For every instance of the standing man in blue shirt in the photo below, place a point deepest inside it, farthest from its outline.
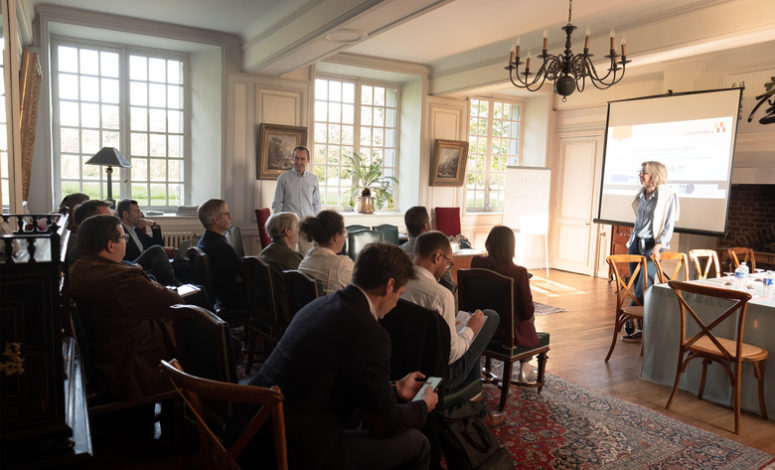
(297, 189)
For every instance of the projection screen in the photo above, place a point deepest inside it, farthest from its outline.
(693, 135)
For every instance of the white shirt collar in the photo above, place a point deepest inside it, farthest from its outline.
(371, 305)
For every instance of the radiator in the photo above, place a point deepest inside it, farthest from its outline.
(174, 239)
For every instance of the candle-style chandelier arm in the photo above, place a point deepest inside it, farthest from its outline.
(613, 76)
(549, 70)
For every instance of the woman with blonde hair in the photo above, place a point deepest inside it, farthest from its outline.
(656, 211)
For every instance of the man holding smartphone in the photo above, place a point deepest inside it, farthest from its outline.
(333, 367)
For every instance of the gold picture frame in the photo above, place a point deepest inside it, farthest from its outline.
(448, 162)
(274, 149)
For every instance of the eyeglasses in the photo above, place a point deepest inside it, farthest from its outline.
(449, 261)
(225, 213)
(125, 237)
(642, 173)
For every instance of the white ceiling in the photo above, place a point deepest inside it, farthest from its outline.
(446, 35)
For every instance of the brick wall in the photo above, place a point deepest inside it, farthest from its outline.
(750, 219)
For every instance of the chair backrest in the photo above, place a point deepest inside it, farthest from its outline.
(389, 232)
(625, 287)
(447, 220)
(262, 215)
(234, 237)
(736, 252)
(739, 303)
(357, 240)
(81, 332)
(202, 342)
(201, 272)
(261, 291)
(355, 228)
(419, 338)
(703, 260)
(670, 256)
(482, 288)
(194, 389)
(299, 290)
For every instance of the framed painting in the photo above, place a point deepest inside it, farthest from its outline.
(274, 150)
(448, 162)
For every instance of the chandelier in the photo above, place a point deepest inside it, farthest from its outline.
(568, 71)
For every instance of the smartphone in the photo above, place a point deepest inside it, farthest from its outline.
(432, 382)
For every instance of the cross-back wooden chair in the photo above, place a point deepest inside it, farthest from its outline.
(195, 389)
(625, 292)
(736, 252)
(703, 260)
(705, 345)
(683, 263)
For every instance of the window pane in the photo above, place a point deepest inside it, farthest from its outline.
(174, 72)
(138, 119)
(111, 139)
(110, 93)
(158, 120)
(174, 121)
(68, 113)
(68, 140)
(110, 117)
(157, 95)
(139, 170)
(70, 166)
(138, 68)
(68, 59)
(158, 145)
(157, 70)
(109, 64)
(158, 169)
(90, 115)
(68, 86)
(138, 93)
(89, 62)
(158, 194)
(139, 144)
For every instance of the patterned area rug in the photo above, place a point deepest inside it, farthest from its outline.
(543, 309)
(568, 427)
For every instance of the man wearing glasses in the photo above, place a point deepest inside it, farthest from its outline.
(124, 308)
(432, 258)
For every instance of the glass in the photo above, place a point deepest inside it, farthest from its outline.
(450, 263)
(125, 237)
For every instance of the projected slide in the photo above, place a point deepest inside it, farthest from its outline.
(692, 134)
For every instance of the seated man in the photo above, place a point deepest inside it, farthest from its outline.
(431, 259)
(418, 221)
(228, 271)
(82, 212)
(142, 249)
(281, 254)
(333, 363)
(124, 310)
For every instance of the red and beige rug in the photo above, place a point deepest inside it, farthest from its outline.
(569, 426)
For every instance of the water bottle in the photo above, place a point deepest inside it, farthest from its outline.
(741, 275)
(768, 282)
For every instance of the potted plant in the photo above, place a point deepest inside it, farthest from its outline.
(371, 189)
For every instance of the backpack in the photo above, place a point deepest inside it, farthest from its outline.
(468, 443)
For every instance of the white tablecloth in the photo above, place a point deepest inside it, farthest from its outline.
(661, 332)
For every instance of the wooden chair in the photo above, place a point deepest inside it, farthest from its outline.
(747, 253)
(681, 258)
(201, 271)
(194, 390)
(203, 343)
(730, 353)
(298, 290)
(481, 289)
(625, 293)
(265, 320)
(389, 232)
(357, 240)
(707, 258)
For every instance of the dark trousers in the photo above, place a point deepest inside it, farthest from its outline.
(409, 450)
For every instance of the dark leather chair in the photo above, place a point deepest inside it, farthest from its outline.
(389, 232)
(262, 215)
(355, 228)
(203, 344)
(197, 392)
(298, 290)
(481, 289)
(356, 241)
(265, 318)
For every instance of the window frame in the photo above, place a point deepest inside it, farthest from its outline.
(358, 82)
(121, 176)
(487, 208)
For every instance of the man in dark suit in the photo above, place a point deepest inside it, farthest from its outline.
(228, 270)
(143, 249)
(333, 367)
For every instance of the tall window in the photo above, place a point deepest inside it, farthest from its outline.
(4, 167)
(114, 97)
(351, 116)
(494, 142)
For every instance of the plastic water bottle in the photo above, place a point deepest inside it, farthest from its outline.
(741, 275)
(768, 282)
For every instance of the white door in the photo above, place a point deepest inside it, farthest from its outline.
(575, 237)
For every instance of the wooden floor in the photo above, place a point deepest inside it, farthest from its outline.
(581, 338)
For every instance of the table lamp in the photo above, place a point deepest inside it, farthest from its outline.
(110, 157)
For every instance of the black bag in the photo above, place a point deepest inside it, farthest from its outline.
(468, 443)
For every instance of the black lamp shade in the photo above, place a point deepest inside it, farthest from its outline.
(109, 156)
